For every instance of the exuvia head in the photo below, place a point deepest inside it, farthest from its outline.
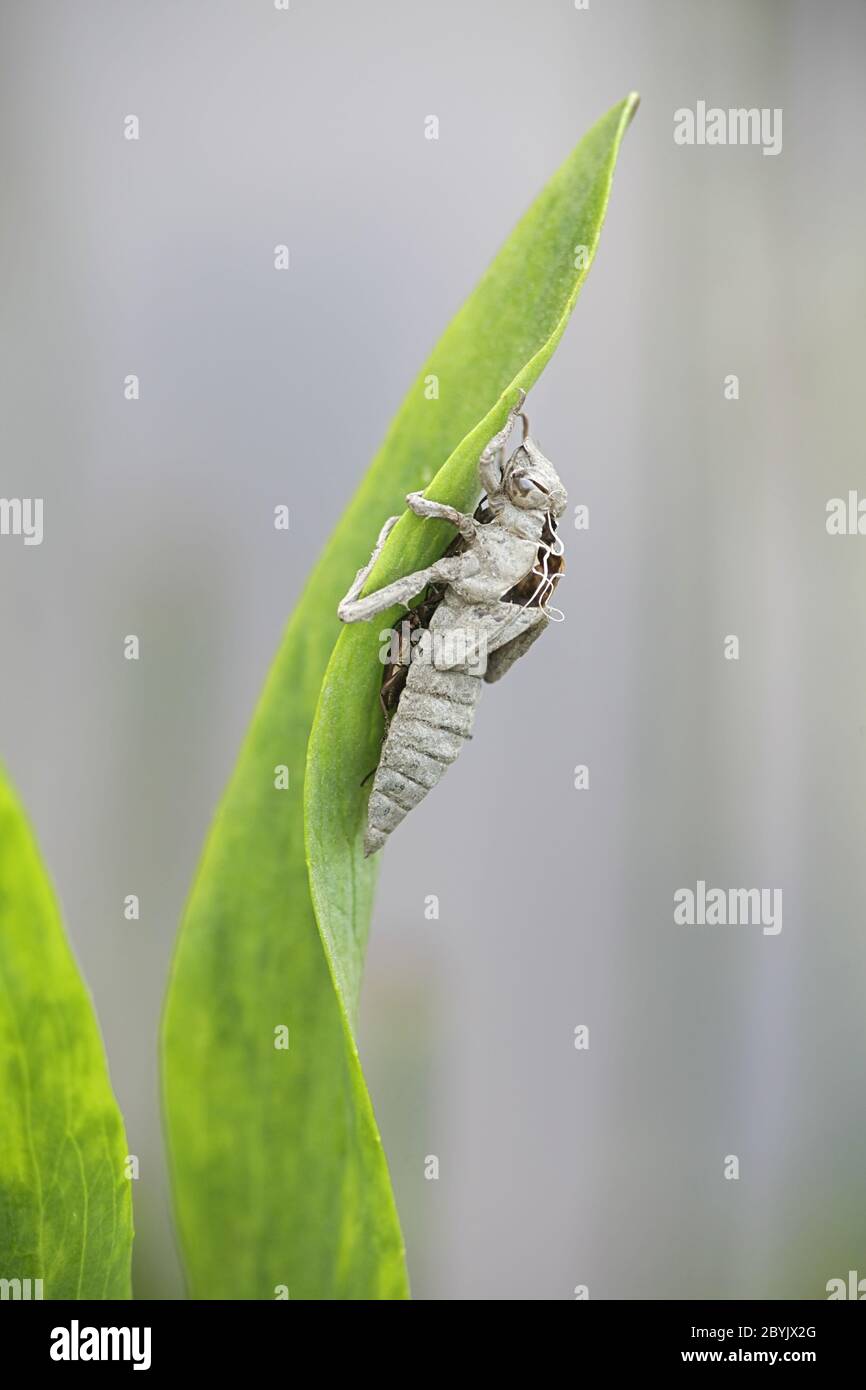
(530, 481)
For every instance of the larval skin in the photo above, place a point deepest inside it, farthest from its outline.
(476, 633)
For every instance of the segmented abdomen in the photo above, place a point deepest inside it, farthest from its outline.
(431, 723)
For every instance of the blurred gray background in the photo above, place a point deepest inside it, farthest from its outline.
(557, 1167)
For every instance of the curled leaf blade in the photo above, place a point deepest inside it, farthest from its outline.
(278, 1173)
(65, 1202)
(500, 341)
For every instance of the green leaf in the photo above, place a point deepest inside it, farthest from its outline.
(500, 341)
(279, 1176)
(65, 1201)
